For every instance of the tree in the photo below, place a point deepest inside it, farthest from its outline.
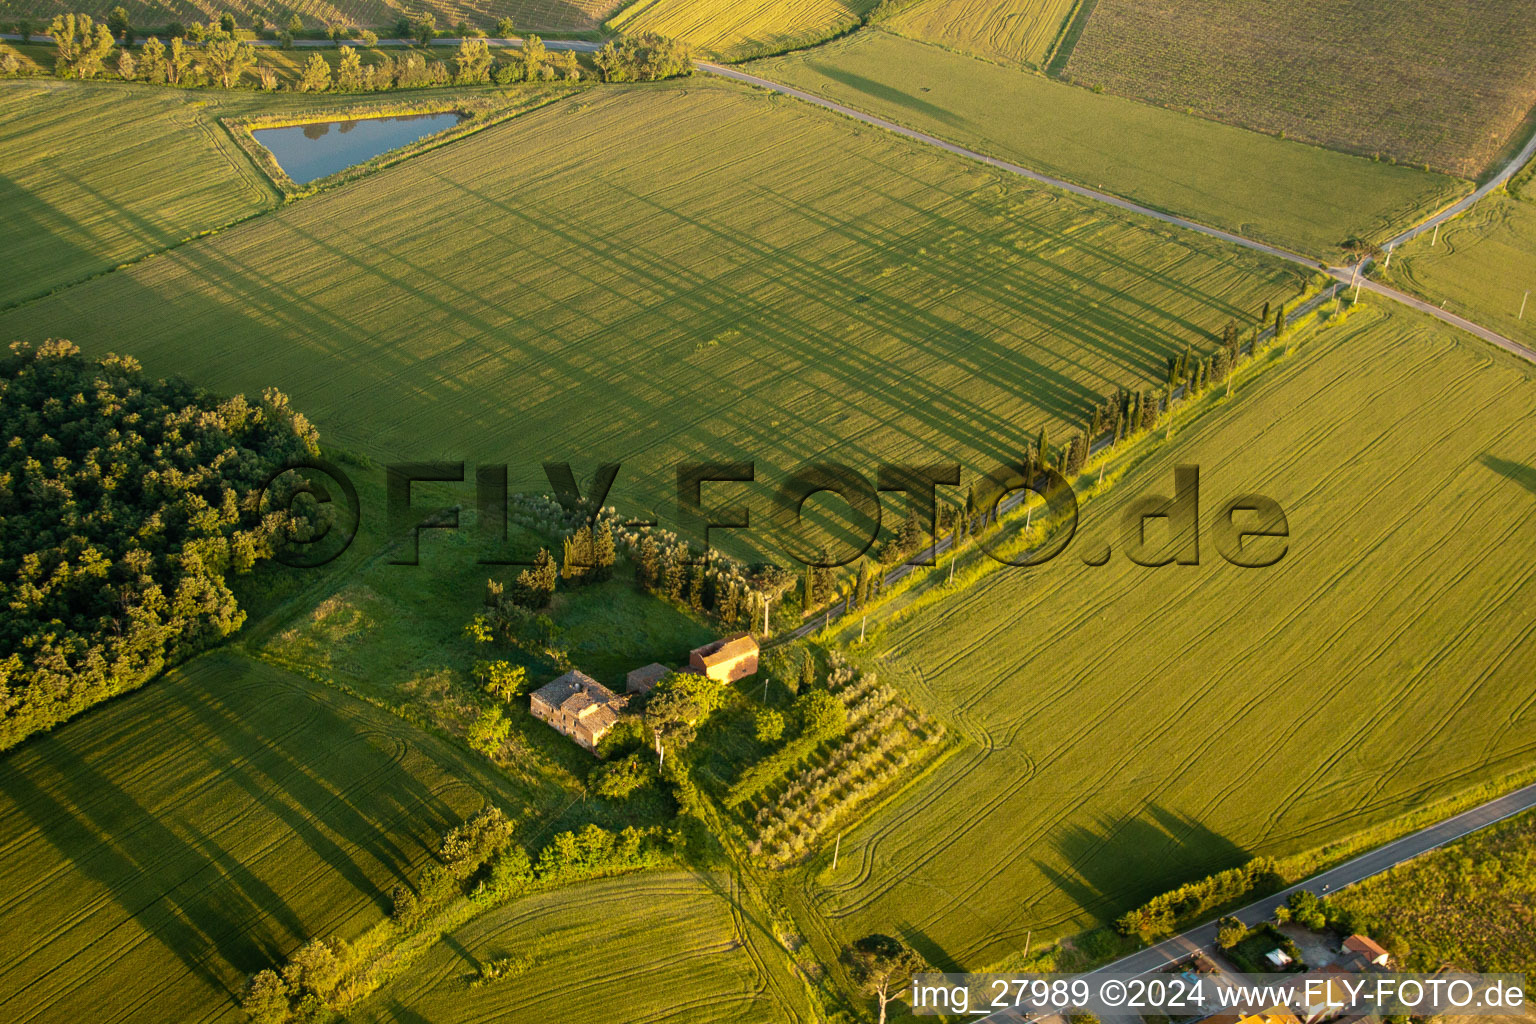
(152, 60)
(1043, 449)
(671, 714)
(295, 24)
(178, 62)
(266, 999)
(1077, 455)
(369, 39)
(536, 585)
(488, 732)
(1279, 323)
(768, 725)
(227, 23)
(504, 29)
(24, 29)
(603, 553)
(126, 66)
(316, 76)
(881, 965)
(821, 715)
(81, 43)
(1229, 932)
(228, 58)
(620, 779)
(501, 679)
(119, 26)
(425, 30)
(808, 671)
(566, 61)
(648, 564)
(533, 57)
(349, 70)
(9, 64)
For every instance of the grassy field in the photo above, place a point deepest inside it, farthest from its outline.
(1425, 82)
(1130, 729)
(1019, 32)
(154, 15)
(662, 274)
(165, 846)
(1468, 905)
(733, 31)
(1299, 197)
(98, 176)
(668, 947)
(1481, 266)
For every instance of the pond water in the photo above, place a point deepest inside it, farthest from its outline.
(306, 152)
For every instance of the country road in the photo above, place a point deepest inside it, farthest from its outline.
(1367, 865)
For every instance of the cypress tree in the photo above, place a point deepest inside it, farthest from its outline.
(1043, 450)
(1264, 316)
(603, 554)
(1279, 323)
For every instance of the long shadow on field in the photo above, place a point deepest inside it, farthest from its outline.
(401, 1015)
(155, 875)
(37, 236)
(880, 91)
(1520, 473)
(1119, 865)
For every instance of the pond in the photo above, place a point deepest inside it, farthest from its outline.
(307, 152)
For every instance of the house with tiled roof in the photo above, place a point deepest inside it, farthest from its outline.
(1368, 949)
(578, 706)
(726, 660)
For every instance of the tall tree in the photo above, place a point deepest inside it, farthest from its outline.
(474, 61)
(881, 965)
(349, 70)
(119, 26)
(316, 76)
(81, 43)
(228, 58)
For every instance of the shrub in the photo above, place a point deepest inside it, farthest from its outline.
(620, 779)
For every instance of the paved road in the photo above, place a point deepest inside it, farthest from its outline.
(1362, 867)
(1492, 337)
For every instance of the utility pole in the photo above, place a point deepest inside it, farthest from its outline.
(863, 623)
(1388, 265)
(1101, 475)
(837, 850)
(1436, 240)
(1523, 302)
(1356, 283)
(765, 618)
(951, 569)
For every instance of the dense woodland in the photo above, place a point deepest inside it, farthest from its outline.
(124, 502)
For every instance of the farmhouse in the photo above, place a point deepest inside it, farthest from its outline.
(1367, 948)
(645, 678)
(726, 660)
(578, 706)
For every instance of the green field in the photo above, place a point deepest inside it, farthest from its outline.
(1467, 905)
(736, 30)
(680, 272)
(660, 947)
(1422, 81)
(165, 846)
(1006, 31)
(1481, 267)
(1130, 729)
(1296, 196)
(153, 15)
(99, 176)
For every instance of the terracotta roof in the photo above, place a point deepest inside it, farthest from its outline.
(1364, 944)
(727, 649)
